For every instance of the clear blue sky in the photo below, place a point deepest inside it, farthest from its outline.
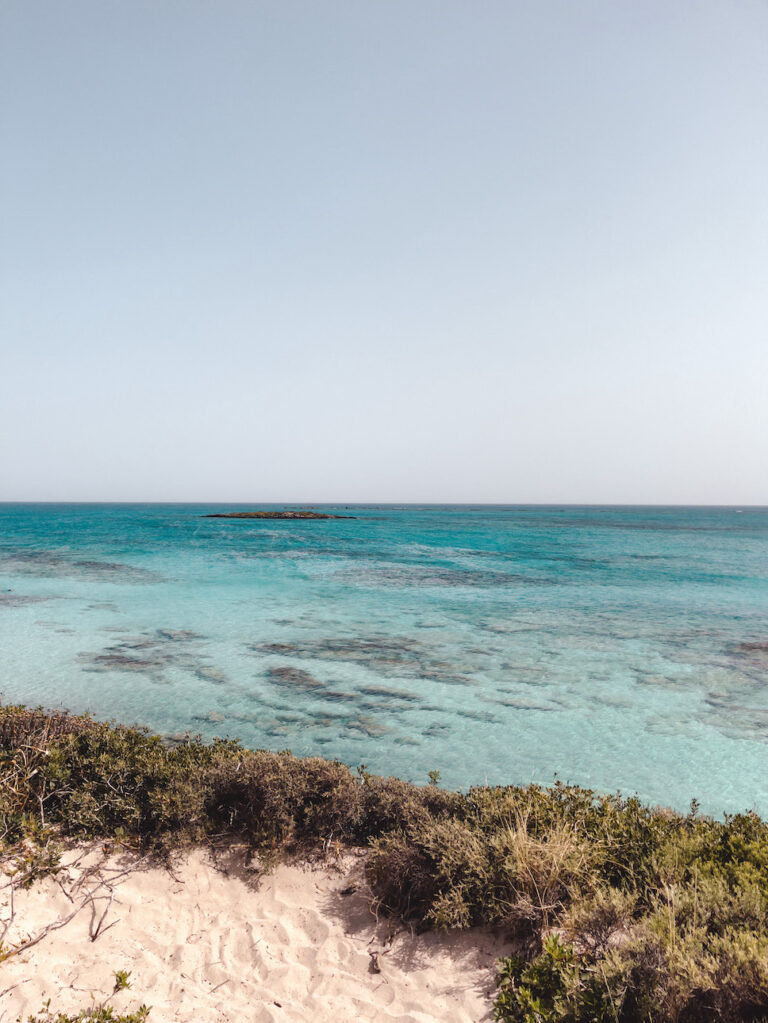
(404, 250)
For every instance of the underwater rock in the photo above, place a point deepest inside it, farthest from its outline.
(135, 643)
(738, 711)
(521, 704)
(389, 692)
(406, 574)
(368, 726)
(665, 681)
(274, 648)
(178, 635)
(212, 717)
(438, 728)
(327, 720)
(294, 677)
(752, 654)
(386, 655)
(214, 675)
(173, 739)
(438, 675)
(152, 654)
(479, 715)
(17, 600)
(123, 662)
(277, 730)
(335, 696)
(114, 569)
(52, 564)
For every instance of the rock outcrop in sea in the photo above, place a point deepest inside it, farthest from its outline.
(276, 515)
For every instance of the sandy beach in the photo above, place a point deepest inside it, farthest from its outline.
(213, 939)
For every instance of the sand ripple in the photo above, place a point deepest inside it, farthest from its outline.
(215, 941)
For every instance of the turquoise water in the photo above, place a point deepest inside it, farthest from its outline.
(620, 648)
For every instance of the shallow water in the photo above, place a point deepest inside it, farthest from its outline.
(614, 647)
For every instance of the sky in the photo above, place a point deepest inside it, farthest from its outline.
(508, 251)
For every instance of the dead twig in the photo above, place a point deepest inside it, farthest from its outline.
(376, 955)
(95, 931)
(89, 897)
(55, 926)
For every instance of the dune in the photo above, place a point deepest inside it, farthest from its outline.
(212, 939)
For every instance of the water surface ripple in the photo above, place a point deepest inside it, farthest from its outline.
(615, 647)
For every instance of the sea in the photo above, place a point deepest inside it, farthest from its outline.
(618, 648)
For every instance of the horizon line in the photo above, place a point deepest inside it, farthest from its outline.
(399, 504)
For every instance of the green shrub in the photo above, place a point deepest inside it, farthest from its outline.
(275, 798)
(96, 1013)
(391, 805)
(453, 874)
(556, 987)
(121, 780)
(621, 911)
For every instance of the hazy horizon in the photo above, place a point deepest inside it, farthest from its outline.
(413, 253)
(400, 504)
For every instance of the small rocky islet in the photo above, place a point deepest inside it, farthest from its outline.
(276, 515)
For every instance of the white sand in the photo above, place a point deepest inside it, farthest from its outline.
(217, 941)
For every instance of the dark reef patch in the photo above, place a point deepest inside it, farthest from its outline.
(294, 678)
(52, 564)
(276, 648)
(478, 715)
(213, 675)
(522, 704)
(368, 726)
(20, 600)
(410, 575)
(113, 570)
(211, 717)
(336, 696)
(389, 693)
(735, 718)
(117, 661)
(327, 718)
(750, 656)
(437, 728)
(392, 656)
(662, 681)
(440, 673)
(153, 654)
(178, 635)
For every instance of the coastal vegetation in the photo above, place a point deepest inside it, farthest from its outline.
(619, 912)
(98, 1012)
